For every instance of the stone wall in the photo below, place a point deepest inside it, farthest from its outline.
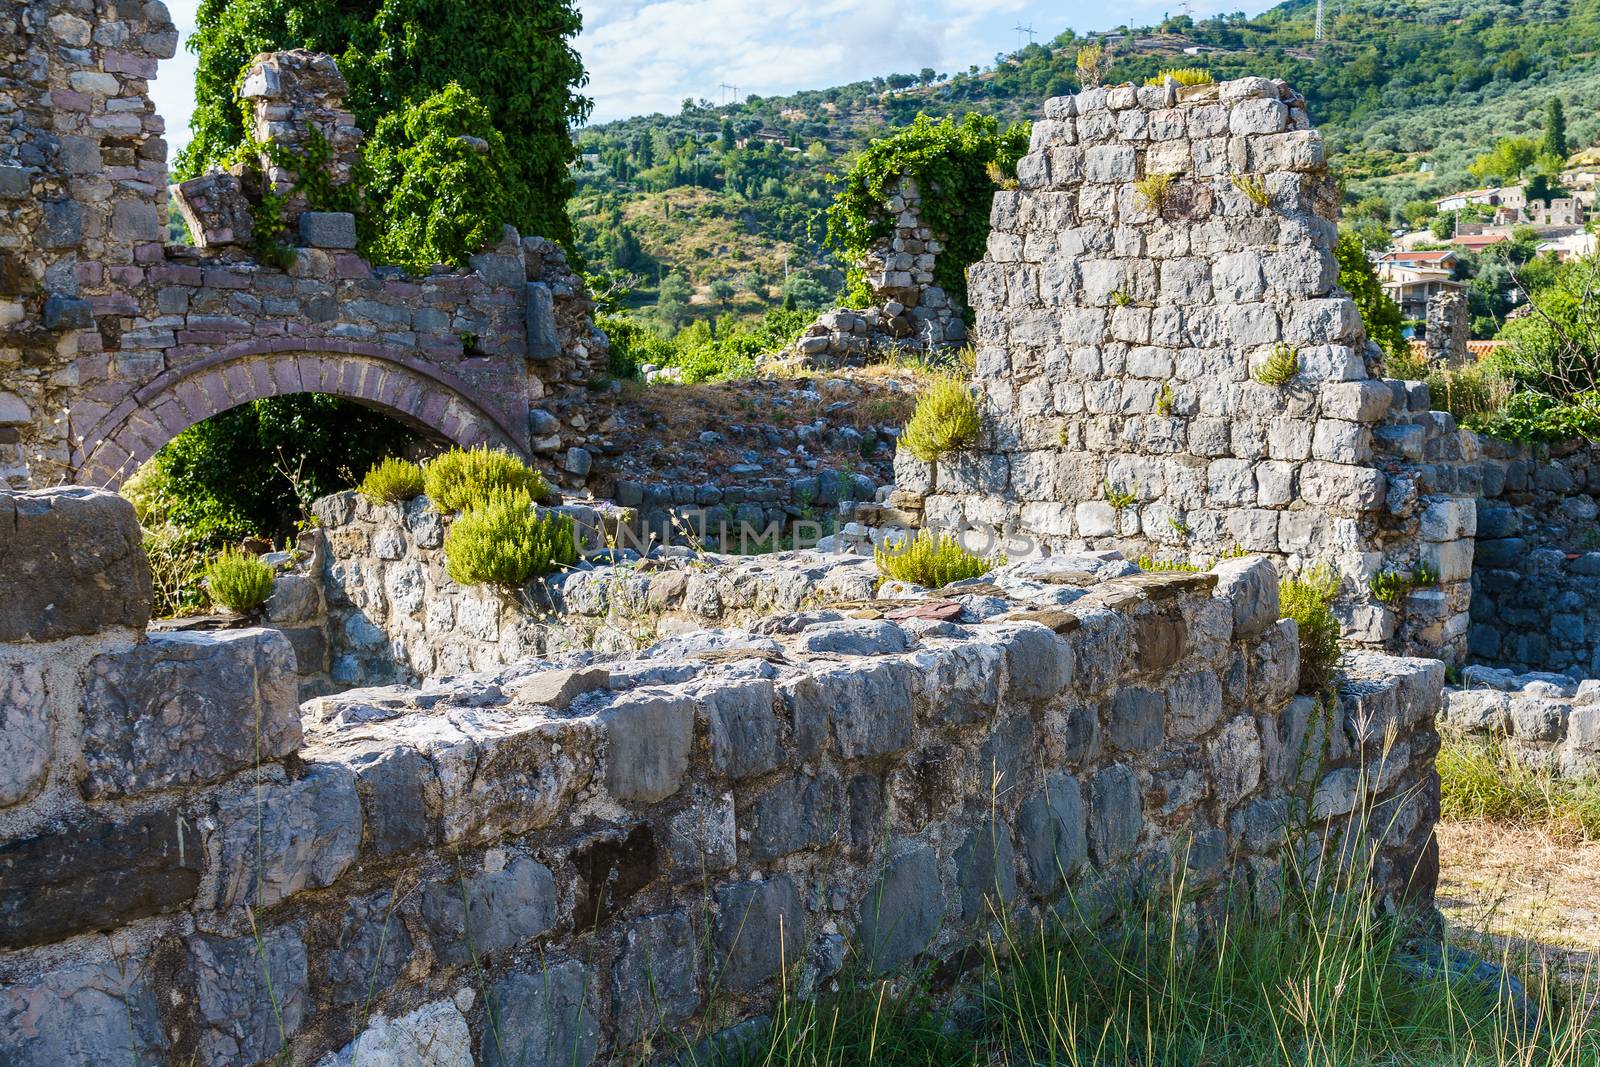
(112, 341)
(1536, 581)
(909, 310)
(1165, 244)
(555, 862)
(1447, 329)
(1548, 720)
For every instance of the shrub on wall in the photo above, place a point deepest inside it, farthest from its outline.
(439, 171)
(931, 559)
(501, 539)
(946, 419)
(238, 581)
(1307, 598)
(461, 477)
(951, 163)
(392, 481)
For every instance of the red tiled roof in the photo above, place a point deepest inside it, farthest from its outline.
(1479, 240)
(1432, 255)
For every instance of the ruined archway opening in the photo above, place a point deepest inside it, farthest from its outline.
(247, 477)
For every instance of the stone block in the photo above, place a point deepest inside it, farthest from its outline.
(328, 229)
(216, 210)
(648, 740)
(95, 873)
(285, 838)
(1116, 814)
(73, 564)
(798, 813)
(1051, 826)
(475, 915)
(249, 998)
(83, 1014)
(546, 1019)
(25, 716)
(868, 707)
(1137, 720)
(434, 1035)
(902, 912)
(986, 871)
(1194, 704)
(543, 341)
(67, 313)
(653, 984)
(1250, 585)
(372, 952)
(1039, 662)
(760, 926)
(16, 183)
(1452, 559)
(184, 708)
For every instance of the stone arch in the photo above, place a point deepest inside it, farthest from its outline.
(412, 390)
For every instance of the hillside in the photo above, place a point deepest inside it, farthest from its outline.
(1407, 92)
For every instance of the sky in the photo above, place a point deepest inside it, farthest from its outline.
(648, 55)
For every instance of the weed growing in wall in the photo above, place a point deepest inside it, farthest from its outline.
(1153, 190)
(1280, 368)
(460, 477)
(931, 559)
(1183, 76)
(1121, 496)
(1391, 587)
(238, 581)
(502, 540)
(1254, 189)
(1307, 598)
(946, 419)
(392, 481)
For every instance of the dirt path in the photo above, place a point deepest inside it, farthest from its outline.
(1527, 891)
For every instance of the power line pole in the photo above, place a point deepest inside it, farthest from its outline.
(726, 88)
(1021, 29)
(1317, 34)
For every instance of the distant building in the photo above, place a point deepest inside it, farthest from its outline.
(1477, 242)
(1435, 258)
(1491, 197)
(1412, 287)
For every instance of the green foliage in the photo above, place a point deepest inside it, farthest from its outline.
(1153, 190)
(1181, 75)
(1391, 587)
(1307, 598)
(1280, 368)
(440, 173)
(461, 477)
(1379, 314)
(392, 481)
(1482, 780)
(1533, 416)
(632, 346)
(1506, 161)
(946, 419)
(1152, 564)
(932, 560)
(1554, 142)
(238, 581)
(949, 162)
(1120, 496)
(1254, 189)
(1474, 394)
(502, 539)
(514, 56)
(1555, 350)
(254, 470)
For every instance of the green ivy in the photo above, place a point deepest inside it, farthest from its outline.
(956, 166)
(442, 171)
(312, 178)
(513, 55)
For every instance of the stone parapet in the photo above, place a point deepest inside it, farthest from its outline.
(564, 859)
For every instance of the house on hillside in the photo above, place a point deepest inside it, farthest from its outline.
(1427, 258)
(1559, 211)
(1477, 242)
(1412, 286)
(1491, 197)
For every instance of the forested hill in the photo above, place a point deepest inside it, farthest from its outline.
(719, 200)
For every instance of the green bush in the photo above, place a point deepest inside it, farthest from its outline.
(392, 481)
(1280, 368)
(461, 477)
(1308, 598)
(238, 581)
(501, 539)
(932, 560)
(443, 166)
(946, 419)
(1379, 314)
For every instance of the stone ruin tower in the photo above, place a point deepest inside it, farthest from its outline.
(910, 309)
(1164, 244)
(1448, 328)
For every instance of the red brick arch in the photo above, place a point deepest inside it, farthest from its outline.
(414, 391)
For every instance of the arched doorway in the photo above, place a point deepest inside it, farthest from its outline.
(416, 392)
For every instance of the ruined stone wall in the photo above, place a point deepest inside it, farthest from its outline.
(1165, 244)
(112, 341)
(909, 310)
(553, 863)
(1547, 720)
(1536, 577)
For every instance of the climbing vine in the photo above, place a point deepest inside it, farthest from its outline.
(312, 179)
(957, 167)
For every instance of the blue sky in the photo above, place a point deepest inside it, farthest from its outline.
(647, 55)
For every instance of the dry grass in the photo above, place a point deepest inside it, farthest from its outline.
(1526, 890)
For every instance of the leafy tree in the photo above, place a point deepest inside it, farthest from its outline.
(1543, 187)
(1506, 162)
(442, 168)
(722, 290)
(515, 56)
(728, 141)
(672, 300)
(1554, 141)
(1380, 315)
